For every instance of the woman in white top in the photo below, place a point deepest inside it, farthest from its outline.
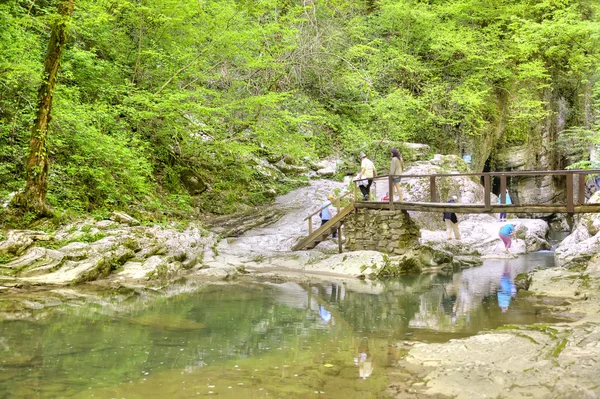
(367, 171)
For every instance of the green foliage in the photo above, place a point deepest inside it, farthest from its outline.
(171, 107)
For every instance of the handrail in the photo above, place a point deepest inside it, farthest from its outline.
(571, 201)
(573, 204)
(493, 174)
(319, 210)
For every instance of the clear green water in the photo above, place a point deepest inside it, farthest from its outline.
(330, 339)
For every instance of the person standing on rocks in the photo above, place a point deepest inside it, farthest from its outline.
(396, 169)
(367, 171)
(508, 202)
(506, 232)
(327, 211)
(451, 221)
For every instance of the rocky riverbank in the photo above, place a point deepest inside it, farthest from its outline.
(537, 361)
(124, 252)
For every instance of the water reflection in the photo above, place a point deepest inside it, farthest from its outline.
(364, 360)
(507, 289)
(429, 306)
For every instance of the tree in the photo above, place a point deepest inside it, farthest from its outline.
(33, 197)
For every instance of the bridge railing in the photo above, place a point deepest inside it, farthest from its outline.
(338, 204)
(571, 198)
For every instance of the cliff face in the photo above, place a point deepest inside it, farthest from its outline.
(496, 151)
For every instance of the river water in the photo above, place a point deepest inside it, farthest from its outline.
(329, 338)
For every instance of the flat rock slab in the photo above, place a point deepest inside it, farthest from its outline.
(525, 362)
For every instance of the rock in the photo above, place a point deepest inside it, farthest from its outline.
(561, 222)
(525, 361)
(122, 217)
(75, 250)
(290, 169)
(267, 170)
(217, 273)
(192, 182)
(415, 151)
(36, 261)
(105, 224)
(158, 267)
(584, 241)
(357, 263)
(327, 168)
(235, 225)
(17, 241)
(523, 281)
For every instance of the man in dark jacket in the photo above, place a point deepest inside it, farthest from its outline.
(451, 222)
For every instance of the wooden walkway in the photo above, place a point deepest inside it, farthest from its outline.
(476, 208)
(323, 232)
(574, 201)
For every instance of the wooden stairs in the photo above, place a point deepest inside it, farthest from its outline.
(321, 234)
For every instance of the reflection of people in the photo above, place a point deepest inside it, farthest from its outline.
(325, 314)
(507, 289)
(367, 171)
(508, 202)
(451, 221)
(506, 232)
(450, 302)
(327, 211)
(396, 169)
(365, 364)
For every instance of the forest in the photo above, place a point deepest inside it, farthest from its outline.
(183, 107)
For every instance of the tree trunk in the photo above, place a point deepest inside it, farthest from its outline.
(33, 197)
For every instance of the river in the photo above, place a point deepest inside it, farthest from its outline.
(335, 338)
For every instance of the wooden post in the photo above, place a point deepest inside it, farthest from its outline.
(581, 189)
(310, 228)
(391, 192)
(503, 189)
(339, 232)
(570, 205)
(487, 192)
(432, 190)
(354, 190)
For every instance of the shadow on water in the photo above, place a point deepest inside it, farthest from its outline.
(333, 338)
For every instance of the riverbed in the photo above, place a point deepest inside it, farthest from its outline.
(325, 336)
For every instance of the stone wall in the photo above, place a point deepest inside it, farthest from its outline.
(381, 230)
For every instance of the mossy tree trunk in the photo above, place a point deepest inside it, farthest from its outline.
(33, 197)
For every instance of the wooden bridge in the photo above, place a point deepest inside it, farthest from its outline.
(574, 201)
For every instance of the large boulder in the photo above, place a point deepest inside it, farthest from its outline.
(479, 236)
(584, 241)
(468, 189)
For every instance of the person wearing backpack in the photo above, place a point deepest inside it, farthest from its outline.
(451, 221)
